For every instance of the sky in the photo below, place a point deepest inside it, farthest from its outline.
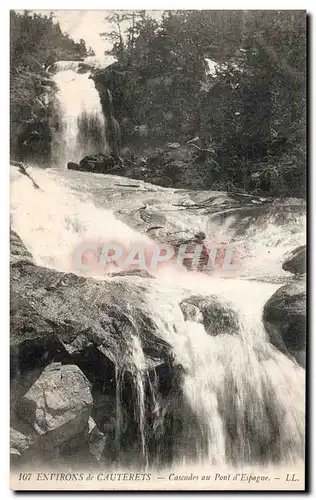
(88, 24)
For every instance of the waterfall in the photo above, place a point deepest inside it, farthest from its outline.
(242, 400)
(78, 125)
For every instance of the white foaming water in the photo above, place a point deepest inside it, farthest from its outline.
(53, 223)
(133, 362)
(78, 125)
(246, 398)
(264, 239)
(139, 374)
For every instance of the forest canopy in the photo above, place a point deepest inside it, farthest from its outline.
(234, 79)
(233, 82)
(36, 42)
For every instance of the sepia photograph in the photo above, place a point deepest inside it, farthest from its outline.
(158, 199)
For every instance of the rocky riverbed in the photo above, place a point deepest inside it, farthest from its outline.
(132, 367)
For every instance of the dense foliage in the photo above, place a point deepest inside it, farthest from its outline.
(233, 83)
(247, 114)
(36, 41)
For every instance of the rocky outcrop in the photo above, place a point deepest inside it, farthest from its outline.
(57, 405)
(68, 314)
(96, 440)
(284, 317)
(295, 261)
(71, 165)
(18, 251)
(51, 420)
(217, 316)
(98, 163)
(169, 167)
(75, 345)
(19, 443)
(141, 273)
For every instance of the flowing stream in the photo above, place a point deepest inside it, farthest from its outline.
(78, 125)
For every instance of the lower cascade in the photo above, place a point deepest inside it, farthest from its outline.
(185, 372)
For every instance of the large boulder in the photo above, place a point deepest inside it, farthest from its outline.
(19, 443)
(295, 261)
(217, 316)
(177, 171)
(104, 332)
(284, 317)
(98, 163)
(58, 404)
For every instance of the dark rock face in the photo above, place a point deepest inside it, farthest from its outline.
(98, 163)
(31, 136)
(217, 316)
(19, 443)
(57, 405)
(70, 313)
(141, 273)
(284, 317)
(177, 153)
(191, 312)
(172, 166)
(96, 440)
(168, 167)
(18, 251)
(73, 166)
(72, 345)
(295, 262)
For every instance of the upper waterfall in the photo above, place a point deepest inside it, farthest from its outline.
(77, 124)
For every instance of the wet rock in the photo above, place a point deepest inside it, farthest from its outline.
(19, 443)
(284, 317)
(191, 312)
(195, 249)
(18, 251)
(73, 166)
(295, 261)
(86, 448)
(99, 330)
(171, 166)
(59, 316)
(96, 440)
(33, 340)
(58, 404)
(218, 316)
(177, 154)
(98, 163)
(141, 273)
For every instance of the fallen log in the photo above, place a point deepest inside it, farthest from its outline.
(22, 168)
